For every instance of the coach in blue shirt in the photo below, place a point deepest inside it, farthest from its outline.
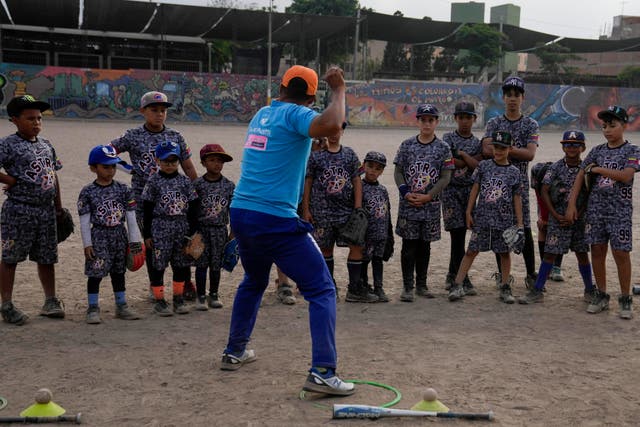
(268, 229)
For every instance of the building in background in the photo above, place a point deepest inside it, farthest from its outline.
(507, 14)
(471, 12)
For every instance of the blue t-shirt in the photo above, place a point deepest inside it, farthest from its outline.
(274, 160)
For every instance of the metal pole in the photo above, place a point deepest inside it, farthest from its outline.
(209, 52)
(501, 59)
(318, 56)
(269, 56)
(355, 45)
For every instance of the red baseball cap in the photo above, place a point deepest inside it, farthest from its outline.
(307, 74)
(215, 149)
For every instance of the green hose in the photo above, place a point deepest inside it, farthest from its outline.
(389, 404)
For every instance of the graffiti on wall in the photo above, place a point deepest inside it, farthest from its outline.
(201, 97)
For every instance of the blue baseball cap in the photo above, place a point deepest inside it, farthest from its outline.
(573, 136)
(427, 110)
(513, 82)
(614, 111)
(104, 155)
(166, 149)
(465, 107)
(376, 156)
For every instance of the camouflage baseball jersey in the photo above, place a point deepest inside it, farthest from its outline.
(470, 145)
(332, 190)
(609, 198)
(375, 200)
(524, 131)
(171, 194)
(141, 143)
(33, 164)
(215, 198)
(422, 165)
(498, 185)
(106, 204)
(563, 176)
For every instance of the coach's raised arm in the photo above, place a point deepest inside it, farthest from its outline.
(330, 121)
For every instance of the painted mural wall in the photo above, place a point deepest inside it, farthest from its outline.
(201, 97)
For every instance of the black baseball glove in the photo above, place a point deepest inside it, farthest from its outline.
(590, 178)
(64, 224)
(388, 245)
(354, 230)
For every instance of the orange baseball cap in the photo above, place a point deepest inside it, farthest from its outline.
(306, 74)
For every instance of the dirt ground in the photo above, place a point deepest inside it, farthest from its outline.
(546, 364)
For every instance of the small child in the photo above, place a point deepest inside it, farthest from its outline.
(423, 168)
(497, 186)
(29, 212)
(610, 207)
(375, 201)
(466, 149)
(561, 235)
(332, 190)
(104, 206)
(215, 193)
(170, 219)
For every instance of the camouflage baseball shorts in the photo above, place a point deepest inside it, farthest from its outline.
(428, 231)
(168, 235)
(561, 239)
(214, 239)
(615, 231)
(374, 248)
(485, 239)
(109, 249)
(454, 206)
(326, 235)
(28, 230)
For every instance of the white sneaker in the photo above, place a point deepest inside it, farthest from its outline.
(556, 274)
(330, 384)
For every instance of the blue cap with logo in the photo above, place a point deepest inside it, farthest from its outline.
(427, 110)
(465, 107)
(513, 82)
(573, 136)
(104, 155)
(614, 111)
(166, 149)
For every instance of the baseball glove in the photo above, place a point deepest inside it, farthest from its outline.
(64, 225)
(514, 238)
(590, 178)
(135, 256)
(557, 191)
(195, 246)
(355, 229)
(230, 255)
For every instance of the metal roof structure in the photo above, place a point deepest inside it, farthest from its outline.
(197, 24)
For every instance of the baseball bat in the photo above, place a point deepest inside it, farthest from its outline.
(42, 420)
(374, 412)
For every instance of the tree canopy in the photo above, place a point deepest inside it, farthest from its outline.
(324, 7)
(483, 44)
(553, 58)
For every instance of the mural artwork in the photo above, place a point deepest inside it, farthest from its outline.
(201, 97)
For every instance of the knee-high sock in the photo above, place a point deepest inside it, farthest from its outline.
(587, 278)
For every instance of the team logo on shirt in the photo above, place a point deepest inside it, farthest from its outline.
(110, 212)
(213, 204)
(422, 175)
(40, 171)
(335, 178)
(377, 206)
(493, 189)
(173, 203)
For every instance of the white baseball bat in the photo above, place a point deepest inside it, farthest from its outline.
(373, 412)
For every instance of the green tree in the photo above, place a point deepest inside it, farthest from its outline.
(630, 75)
(445, 62)
(334, 49)
(553, 58)
(483, 44)
(401, 58)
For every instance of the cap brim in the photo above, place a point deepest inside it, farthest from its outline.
(502, 144)
(572, 141)
(167, 155)
(166, 104)
(225, 156)
(471, 113)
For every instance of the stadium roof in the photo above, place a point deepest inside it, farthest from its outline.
(135, 19)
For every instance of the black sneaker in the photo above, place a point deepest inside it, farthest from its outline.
(424, 292)
(179, 307)
(599, 302)
(626, 311)
(53, 308)
(468, 288)
(161, 308)
(361, 295)
(505, 294)
(379, 292)
(11, 314)
(189, 293)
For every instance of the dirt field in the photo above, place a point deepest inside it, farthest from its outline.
(549, 364)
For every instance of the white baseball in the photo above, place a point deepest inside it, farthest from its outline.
(430, 395)
(43, 395)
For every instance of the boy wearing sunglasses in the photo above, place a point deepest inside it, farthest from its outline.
(562, 233)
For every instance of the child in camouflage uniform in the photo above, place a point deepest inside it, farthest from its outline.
(497, 186)
(215, 193)
(610, 207)
(28, 223)
(170, 219)
(524, 132)
(375, 200)
(467, 151)
(104, 206)
(332, 190)
(561, 235)
(423, 167)
(140, 142)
